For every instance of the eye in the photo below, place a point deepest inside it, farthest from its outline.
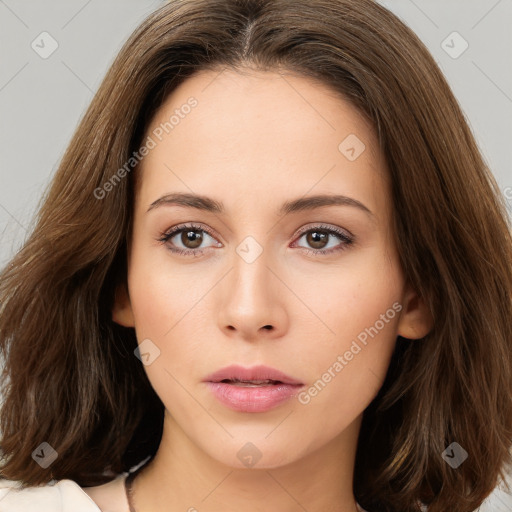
(319, 237)
(186, 239)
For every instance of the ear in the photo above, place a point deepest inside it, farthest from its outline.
(122, 313)
(416, 321)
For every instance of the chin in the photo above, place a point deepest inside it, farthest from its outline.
(257, 453)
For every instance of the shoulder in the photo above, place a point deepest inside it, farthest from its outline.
(110, 497)
(56, 496)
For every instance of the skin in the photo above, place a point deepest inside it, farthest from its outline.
(255, 140)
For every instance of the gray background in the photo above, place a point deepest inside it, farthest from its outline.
(42, 99)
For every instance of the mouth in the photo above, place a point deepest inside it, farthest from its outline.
(257, 389)
(254, 376)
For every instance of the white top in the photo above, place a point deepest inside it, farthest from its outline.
(57, 496)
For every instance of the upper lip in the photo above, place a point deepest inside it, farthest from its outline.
(254, 373)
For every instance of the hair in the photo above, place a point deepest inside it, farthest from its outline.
(70, 377)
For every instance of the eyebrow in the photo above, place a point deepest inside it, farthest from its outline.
(304, 203)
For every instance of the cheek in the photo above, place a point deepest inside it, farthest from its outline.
(343, 383)
(360, 314)
(345, 371)
(166, 305)
(162, 294)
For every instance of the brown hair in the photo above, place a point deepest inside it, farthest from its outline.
(70, 376)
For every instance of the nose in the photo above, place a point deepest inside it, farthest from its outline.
(252, 301)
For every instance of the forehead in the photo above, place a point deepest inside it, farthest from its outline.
(253, 130)
(265, 102)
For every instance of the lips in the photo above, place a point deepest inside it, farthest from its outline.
(251, 377)
(255, 390)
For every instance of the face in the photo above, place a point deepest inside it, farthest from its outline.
(256, 272)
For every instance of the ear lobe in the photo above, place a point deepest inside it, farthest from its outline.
(122, 313)
(416, 320)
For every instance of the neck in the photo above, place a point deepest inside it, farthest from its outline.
(183, 477)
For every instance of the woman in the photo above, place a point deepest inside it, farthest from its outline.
(260, 279)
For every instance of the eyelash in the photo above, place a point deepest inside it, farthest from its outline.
(347, 239)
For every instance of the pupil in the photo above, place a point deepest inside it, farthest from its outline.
(191, 239)
(317, 239)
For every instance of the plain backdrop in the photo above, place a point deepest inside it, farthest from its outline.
(42, 97)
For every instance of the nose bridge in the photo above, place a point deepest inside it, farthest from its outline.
(252, 280)
(252, 300)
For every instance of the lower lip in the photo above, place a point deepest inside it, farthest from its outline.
(252, 399)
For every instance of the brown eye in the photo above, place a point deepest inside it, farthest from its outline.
(188, 240)
(323, 240)
(191, 239)
(317, 239)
